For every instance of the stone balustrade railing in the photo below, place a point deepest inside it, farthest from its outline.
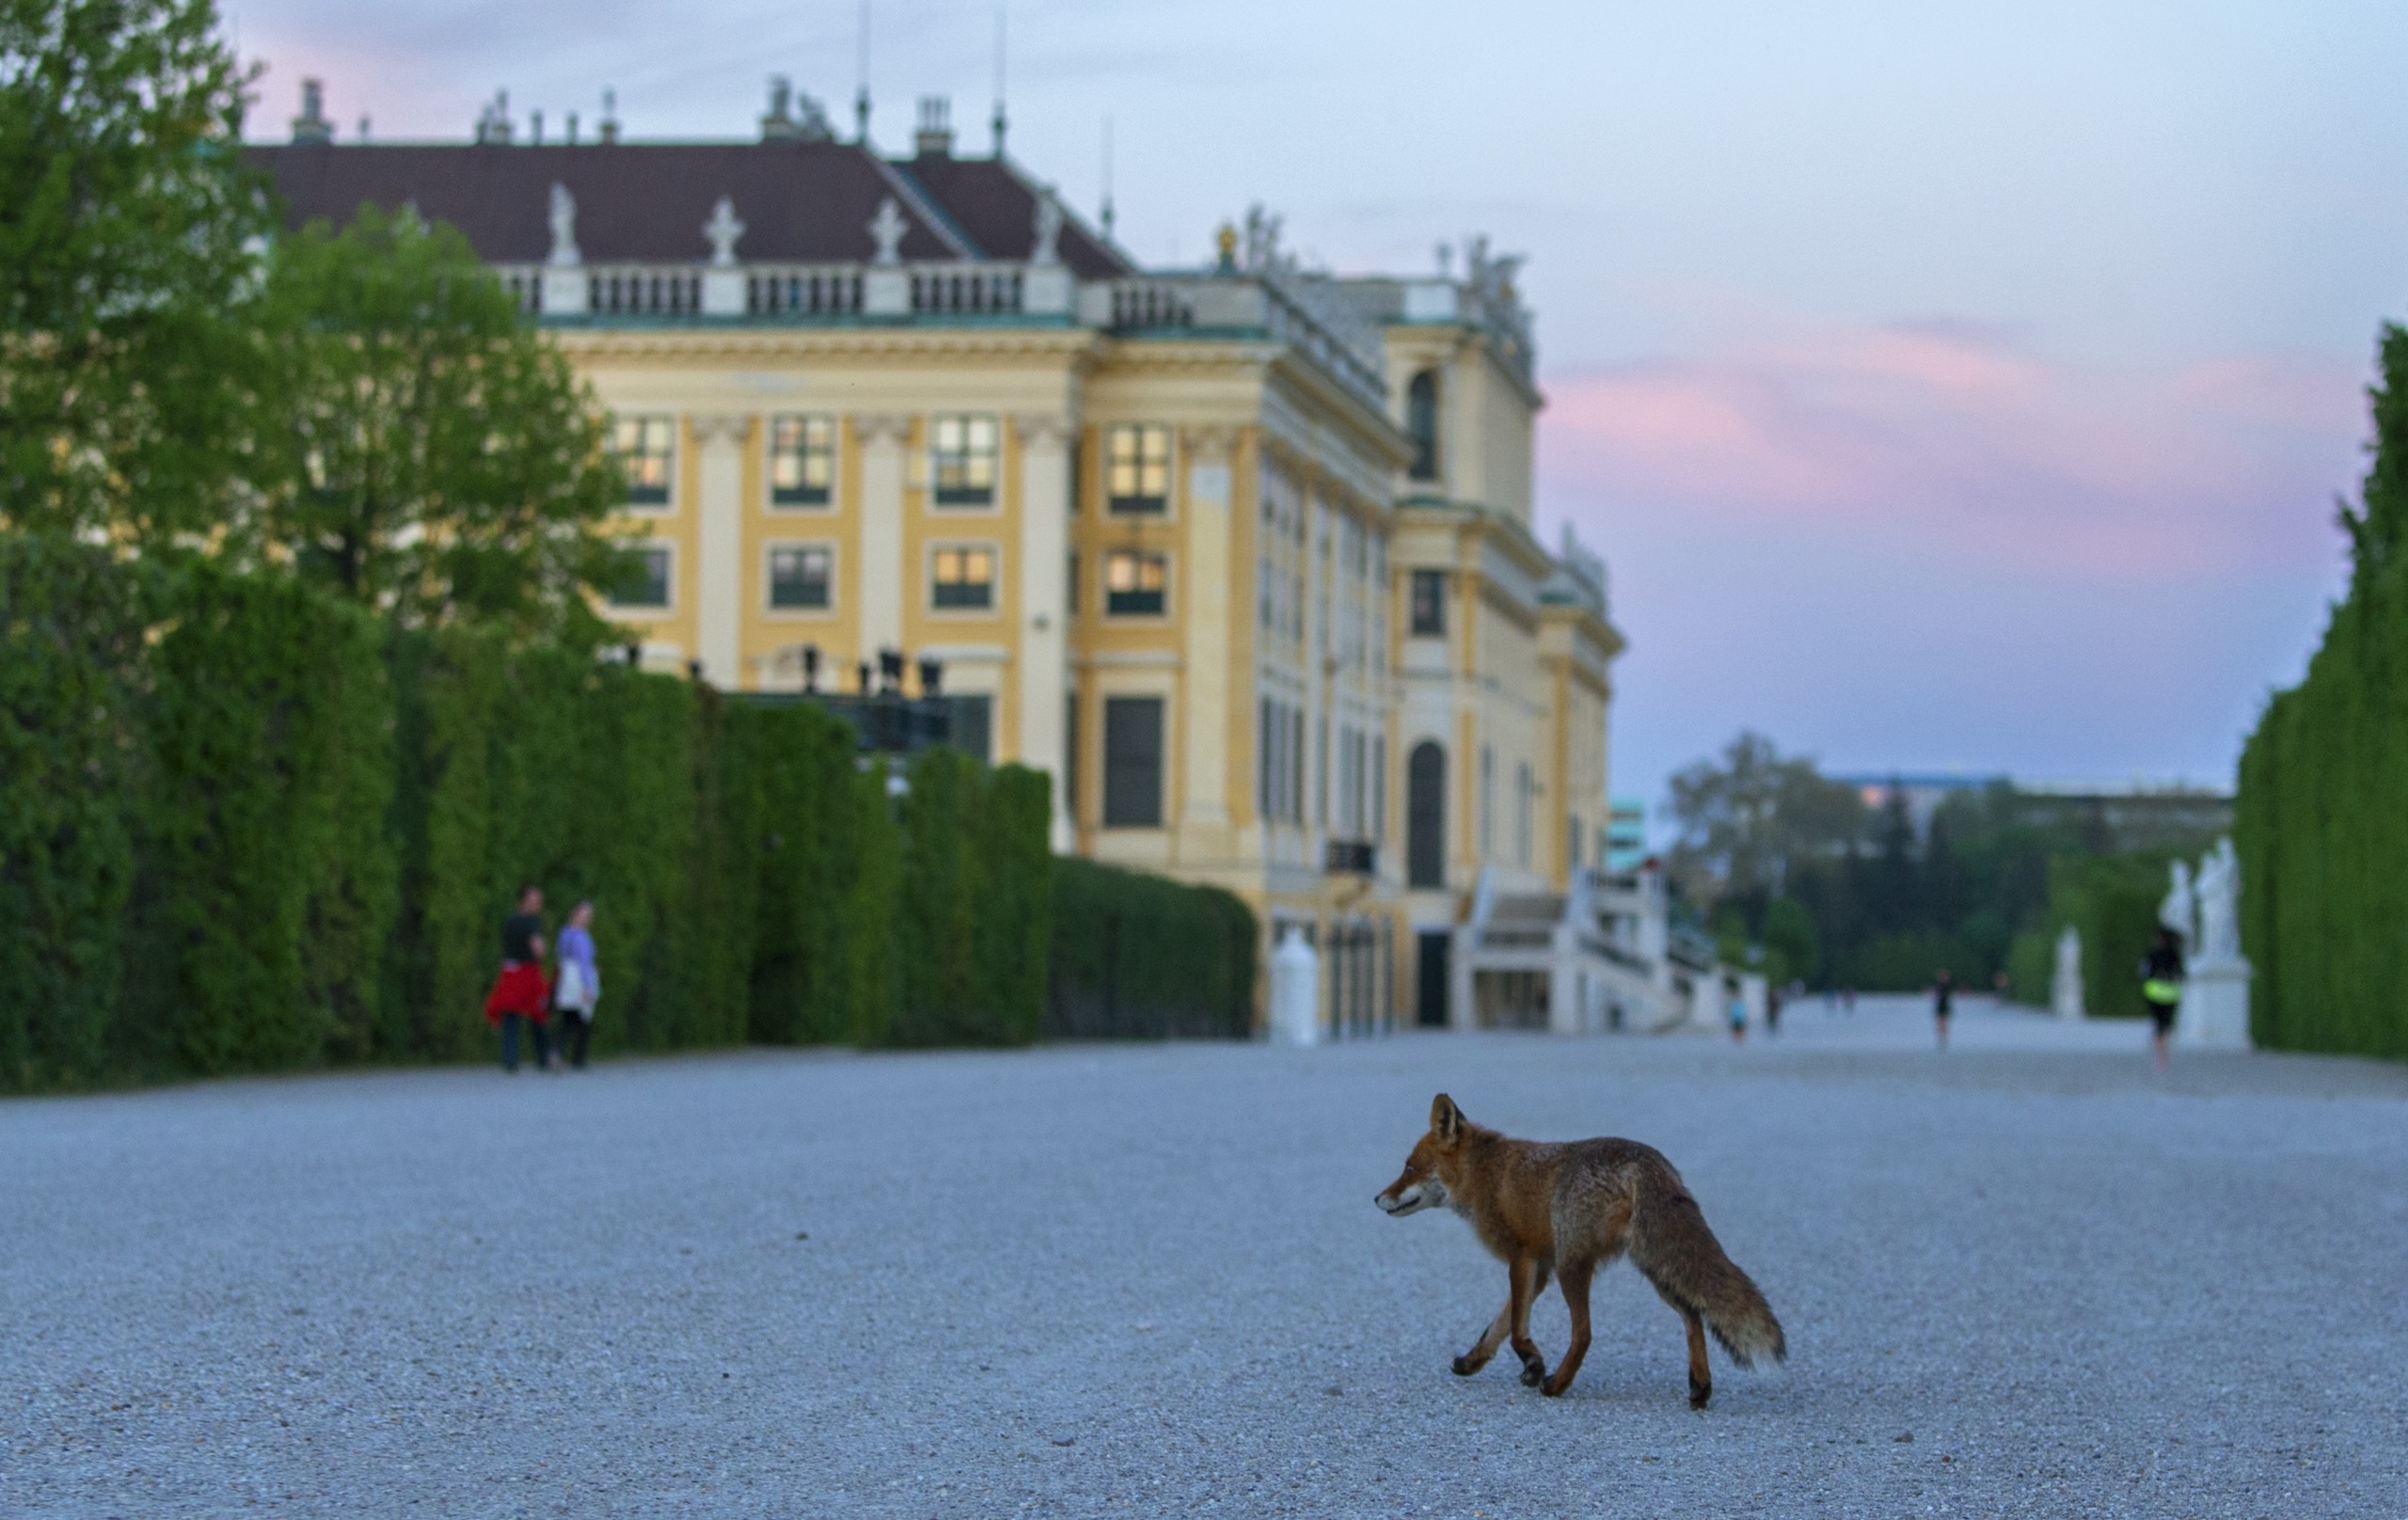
(776, 293)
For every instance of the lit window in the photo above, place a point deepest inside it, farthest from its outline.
(963, 449)
(1133, 582)
(965, 578)
(802, 461)
(647, 446)
(799, 579)
(1137, 467)
(646, 581)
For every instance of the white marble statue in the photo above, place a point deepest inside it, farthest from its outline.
(564, 254)
(2180, 912)
(2065, 992)
(1049, 230)
(2218, 890)
(722, 231)
(886, 230)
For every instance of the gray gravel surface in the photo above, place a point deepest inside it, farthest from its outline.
(2027, 1277)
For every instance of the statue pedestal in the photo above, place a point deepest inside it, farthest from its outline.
(2214, 1015)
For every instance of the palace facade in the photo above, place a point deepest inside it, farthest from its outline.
(1241, 556)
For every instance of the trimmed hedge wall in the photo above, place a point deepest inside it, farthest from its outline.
(245, 827)
(1138, 956)
(2322, 821)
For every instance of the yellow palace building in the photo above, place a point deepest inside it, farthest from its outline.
(1241, 556)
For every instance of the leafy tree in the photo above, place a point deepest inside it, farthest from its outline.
(422, 449)
(1747, 823)
(1789, 935)
(128, 262)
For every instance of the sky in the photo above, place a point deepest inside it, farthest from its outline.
(1949, 386)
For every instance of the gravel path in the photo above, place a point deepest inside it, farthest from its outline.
(2027, 1277)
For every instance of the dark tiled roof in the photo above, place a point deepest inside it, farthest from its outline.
(802, 202)
(997, 209)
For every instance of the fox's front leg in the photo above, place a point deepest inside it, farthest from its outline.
(1490, 1339)
(1529, 1281)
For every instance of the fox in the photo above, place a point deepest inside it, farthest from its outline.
(1566, 1210)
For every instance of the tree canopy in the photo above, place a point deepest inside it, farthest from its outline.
(1746, 823)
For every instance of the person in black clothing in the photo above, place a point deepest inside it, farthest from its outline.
(1943, 996)
(521, 992)
(2162, 988)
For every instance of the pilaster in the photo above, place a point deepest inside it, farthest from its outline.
(885, 584)
(719, 529)
(1205, 454)
(1043, 654)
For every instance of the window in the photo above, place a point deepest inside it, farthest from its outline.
(965, 579)
(1421, 423)
(1425, 816)
(800, 576)
(647, 580)
(647, 446)
(1523, 790)
(1379, 788)
(1132, 761)
(971, 725)
(1070, 756)
(1137, 467)
(1487, 801)
(802, 461)
(1429, 604)
(964, 450)
(1572, 841)
(1133, 582)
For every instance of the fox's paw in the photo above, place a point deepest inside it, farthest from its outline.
(1465, 1367)
(1700, 1392)
(1554, 1387)
(1533, 1371)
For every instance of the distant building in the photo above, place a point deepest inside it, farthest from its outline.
(1627, 835)
(1242, 555)
(2139, 814)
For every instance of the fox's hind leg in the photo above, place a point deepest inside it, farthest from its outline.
(1700, 1374)
(1529, 1281)
(1573, 1281)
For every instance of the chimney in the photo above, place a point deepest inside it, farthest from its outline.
(935, 137)
(311, 125)
(608, 129)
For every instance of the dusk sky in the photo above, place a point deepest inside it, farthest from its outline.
(1948, 386)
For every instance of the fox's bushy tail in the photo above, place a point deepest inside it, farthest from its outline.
(1671, 1246)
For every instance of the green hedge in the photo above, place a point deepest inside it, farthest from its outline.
(2321, 820)
(1135, 956)
(71, 631)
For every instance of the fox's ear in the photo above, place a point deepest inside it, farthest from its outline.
(1446, 1119)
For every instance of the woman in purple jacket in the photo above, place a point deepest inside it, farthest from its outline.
(579, 986)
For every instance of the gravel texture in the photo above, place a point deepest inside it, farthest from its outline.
(2027, 1277)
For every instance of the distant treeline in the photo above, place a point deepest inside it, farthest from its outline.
(1794, 874)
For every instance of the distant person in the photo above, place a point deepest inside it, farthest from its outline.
(1944, 998)
(578, 987)
(1735, 1008)
(2162, 988)
(520, 991)
(1848, 1000)
(1772, 1011)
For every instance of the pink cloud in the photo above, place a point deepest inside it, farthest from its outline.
(1950, 438)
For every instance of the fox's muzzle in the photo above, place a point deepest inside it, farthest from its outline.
(1427, 1193)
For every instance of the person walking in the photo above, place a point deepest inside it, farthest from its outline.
(578, 987)
(520, 990)
(1772, 1011)
(1735, 1010)
(2162, 988)
(1944, 998)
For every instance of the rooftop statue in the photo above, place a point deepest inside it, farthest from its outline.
(564, 254)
